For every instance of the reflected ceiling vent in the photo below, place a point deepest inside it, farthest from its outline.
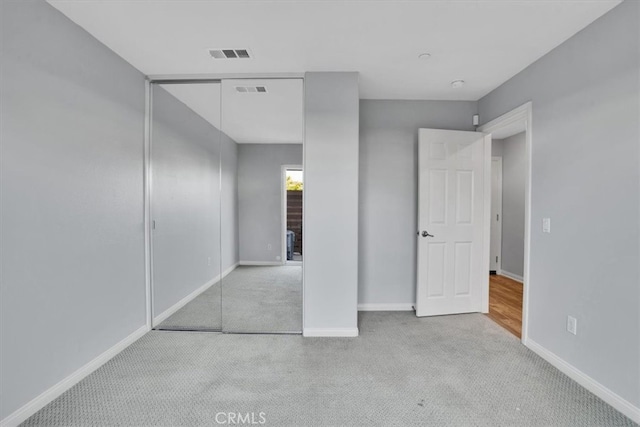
(230, 53)
(251, 89)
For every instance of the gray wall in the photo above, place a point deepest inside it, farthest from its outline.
(185, 200)
(260, 198)
(496, 147)
(388, 191)
(586, 179)
(331, 201)
(229, 213)
(514, 164)
(72, 275)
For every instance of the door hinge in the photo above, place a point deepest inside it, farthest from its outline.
(496, 259)
(153, 224)
(497, 217)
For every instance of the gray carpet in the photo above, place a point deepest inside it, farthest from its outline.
(262, 299)
(442, 371)
(202, 313)
(254, 299)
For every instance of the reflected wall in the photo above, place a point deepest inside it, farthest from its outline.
(264, 117)
(186, 206)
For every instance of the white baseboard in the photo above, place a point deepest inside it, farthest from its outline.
(619, 403)
(510, 276)
(49, 395)
(184, 301)
(230, 269)
(255, 263)
(386, 307)
(330, 332)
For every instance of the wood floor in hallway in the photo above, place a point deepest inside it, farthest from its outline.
(505, 303)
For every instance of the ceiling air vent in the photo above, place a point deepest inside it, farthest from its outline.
(251, 89)
(229, 53)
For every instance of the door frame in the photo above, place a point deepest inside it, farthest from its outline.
(283, 204)
(522, 114)
(146, 215)
(499, 160)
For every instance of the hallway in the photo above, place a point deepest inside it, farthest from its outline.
(505, 303)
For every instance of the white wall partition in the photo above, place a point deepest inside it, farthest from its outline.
(331, 157)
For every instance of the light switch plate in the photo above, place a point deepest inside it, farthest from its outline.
(572, 325)
(546, 225)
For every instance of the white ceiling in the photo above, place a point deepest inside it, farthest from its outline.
(275, 117)
(203, 98)
(484, 42)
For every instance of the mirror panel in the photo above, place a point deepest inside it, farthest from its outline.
(262, 126)
(185, 206)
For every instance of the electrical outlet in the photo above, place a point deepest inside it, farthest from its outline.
(278, 258)
(269, 247)
(546, 225)
(572, 325)
(209, 261)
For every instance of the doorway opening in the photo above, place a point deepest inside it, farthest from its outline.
(293, 192)
(509, 219)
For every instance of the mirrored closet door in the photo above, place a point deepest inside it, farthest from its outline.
(186, 206)
(262, 188)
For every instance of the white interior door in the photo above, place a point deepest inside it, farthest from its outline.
(496, 214)
(451, 219)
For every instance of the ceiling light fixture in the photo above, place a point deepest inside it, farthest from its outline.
(424, 56)
(457, 83)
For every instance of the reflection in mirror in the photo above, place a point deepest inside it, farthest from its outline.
(262, 187)
(294, 187)
(185, 206)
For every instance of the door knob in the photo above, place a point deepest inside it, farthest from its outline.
(426, 234)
